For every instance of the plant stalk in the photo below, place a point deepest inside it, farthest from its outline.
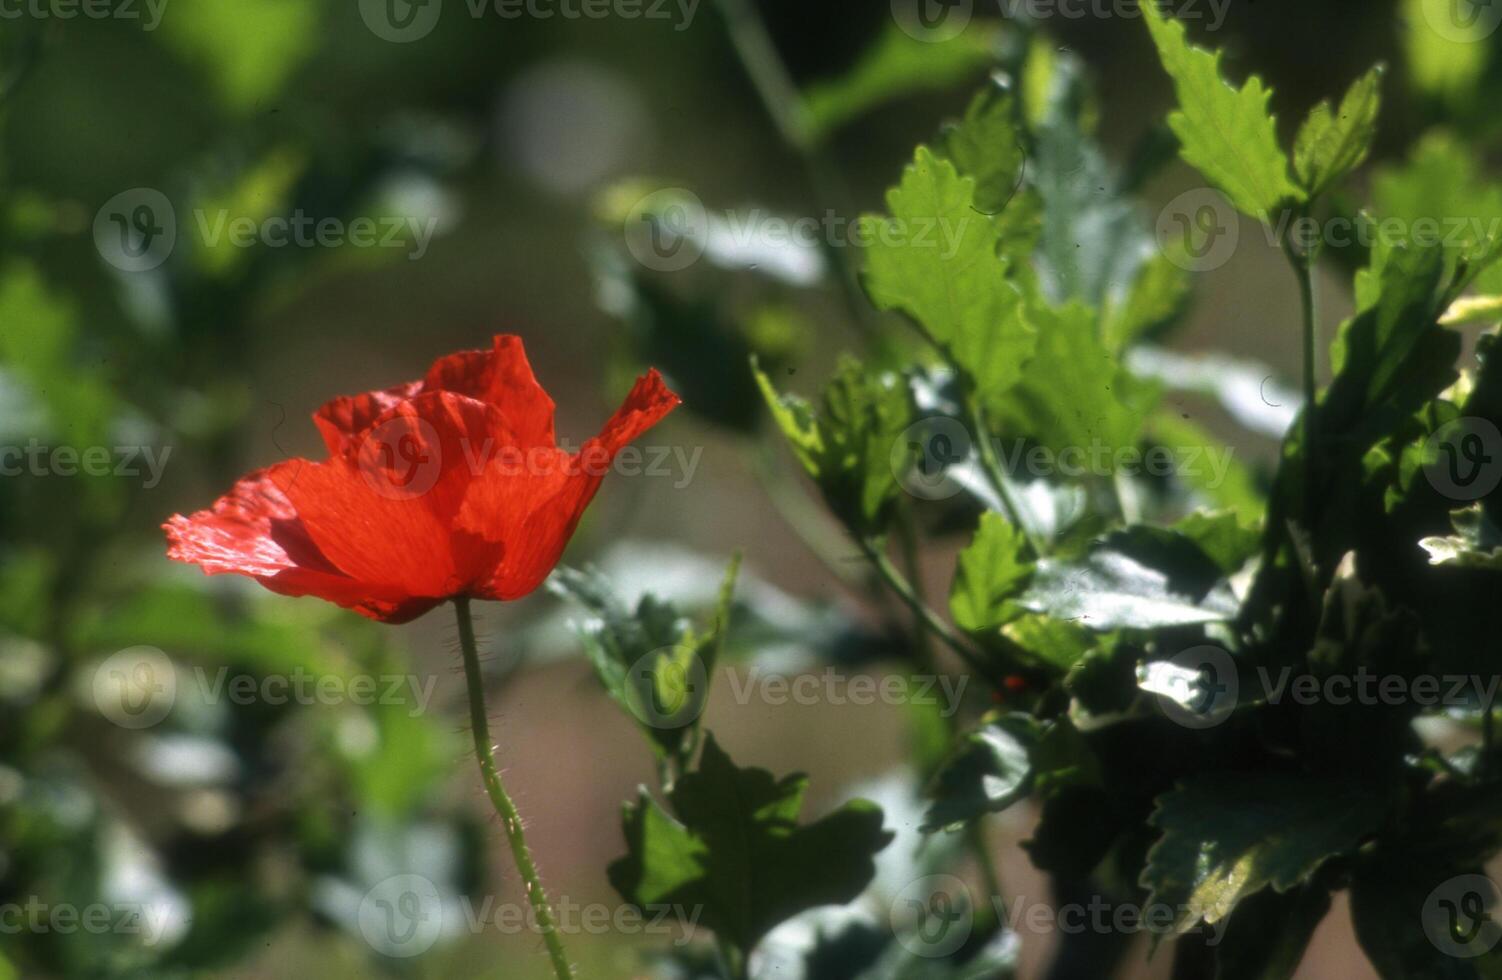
(936, 625)
(511, 820)
(1303, 267)
(993, 469)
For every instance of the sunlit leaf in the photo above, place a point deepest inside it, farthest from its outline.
(991, 572)
(1332, 143)
(1225, 132)
(1229, 835)
(935, 259)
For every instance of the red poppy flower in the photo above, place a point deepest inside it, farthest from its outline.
(445, 487)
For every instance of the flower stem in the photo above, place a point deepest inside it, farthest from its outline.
(510, 819)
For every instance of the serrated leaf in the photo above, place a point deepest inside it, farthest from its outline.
(990, 572)
(1227, 835)
(1332, 144)
(987, 146)
(651, 660)
(1075, 395)
(848, 447)
(1224, 132)
(736, 850)
(936, 259)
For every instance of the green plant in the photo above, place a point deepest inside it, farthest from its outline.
(1168, 646)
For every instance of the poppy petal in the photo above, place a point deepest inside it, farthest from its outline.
(384, 510)
(534, 515)
(501, 377)
(254, 530)
(347, 416)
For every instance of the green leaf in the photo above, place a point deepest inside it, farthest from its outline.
(1476, 543)
(849, 447)
(1142, 578)
(1222, 537)
(1376, 353)
(897, 65)
(736, 850)
(1055, 642)
(989, 771)
(249, 49)
(1157, 296)
(1005, 760)
(1440, 193)
(987, 146)
(651, 660)
(1076, 396)
(936, 259)
(1227, 835)
(990, 573)
(1223, 480)
(1093, 242)
(1448, 64)
(1225, 132)
(1332, 145)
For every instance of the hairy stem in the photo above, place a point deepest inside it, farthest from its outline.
(479, 724)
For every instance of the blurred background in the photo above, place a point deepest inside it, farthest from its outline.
(498, 156)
